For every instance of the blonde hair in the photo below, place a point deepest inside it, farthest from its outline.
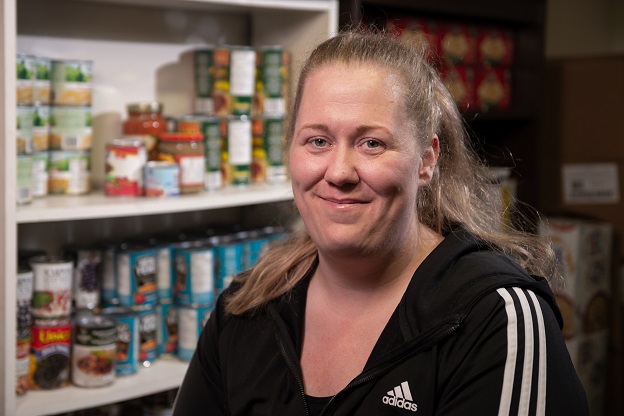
(460, 192)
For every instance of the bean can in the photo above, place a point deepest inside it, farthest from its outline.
(148, 334)
(167, 328)
(94, 349)
(194, 275)
(50, 353)
(128, 341)
(125, 161)
(191, 321)
(136, 275)
(52, 286)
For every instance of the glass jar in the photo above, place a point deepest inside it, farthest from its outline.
(187, 150)
(145, 119)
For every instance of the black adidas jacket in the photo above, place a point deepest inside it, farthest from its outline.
(473, 335)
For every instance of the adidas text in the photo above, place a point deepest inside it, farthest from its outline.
(402, 403)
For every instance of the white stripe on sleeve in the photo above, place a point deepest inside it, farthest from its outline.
(527, 367)
(512, 351)
(541, 382)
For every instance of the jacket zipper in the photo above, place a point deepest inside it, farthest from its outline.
(413, 350)
(294, 372)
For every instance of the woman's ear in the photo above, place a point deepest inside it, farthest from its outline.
(429, 160)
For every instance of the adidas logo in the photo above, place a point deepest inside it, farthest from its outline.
(401, 397)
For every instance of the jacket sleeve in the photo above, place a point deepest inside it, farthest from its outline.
(202, 391)
(509, 358)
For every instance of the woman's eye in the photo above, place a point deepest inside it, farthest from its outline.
(318, 142)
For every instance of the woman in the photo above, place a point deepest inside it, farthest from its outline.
(403, 293)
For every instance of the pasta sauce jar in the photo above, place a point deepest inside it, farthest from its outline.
(146, 120)
(187, 150)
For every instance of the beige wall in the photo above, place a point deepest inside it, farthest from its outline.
(584, 28)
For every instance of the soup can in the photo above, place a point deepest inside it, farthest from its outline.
(167, 328)
(164, 280)
(191, 321)
(229, 261)
(127, 341)
(94, 350)
(52, 286)
(50, 352)
(148, 333)
(194, 275)
(136, 275)
(162, 179)
(71, 82)
(125, 161)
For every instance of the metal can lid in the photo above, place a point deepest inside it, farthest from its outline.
(117, 311)
(145, 107)
(161, 164)
(127, 141)
(51, 322)
(93, 321)
(44, 259)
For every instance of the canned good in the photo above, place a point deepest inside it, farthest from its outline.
(71, 82)
(87, 277)
(50, 352)
(219, 69)
(191, 321)
(273, 79)
(24, 179)
(25, 118)
(71, 128)
(94, 350)
(40, 128)
(24, 300)
(162, 179)
(148, 327)
(109, 279)
(237, 154)
(125, 160)
(268, 150)
(136, 275)
(202, 63)
(229, 261)
(194, 275)
(22, 366)
(40, 176)
(42, 83)
(167, 328)
(52, 286)
(164, 280)
(25, 74)
(69, 172)
(242, 79)
(127, 326)
(187, 150)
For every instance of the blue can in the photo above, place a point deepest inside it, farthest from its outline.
(136, 276)
(191, 322)
(229, 260)
(167, 331)
(127, 322)
(148, 337)
(162, 179)
(194, 275)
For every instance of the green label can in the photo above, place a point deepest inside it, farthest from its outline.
(24, 179)
(203, 62)
(268, 150)
(25, 76)
(24, 124)
(41, 128)
(238, 155)
(70, 128)
(42, 83)
(272, 81)
(69, 172)
(71, 82)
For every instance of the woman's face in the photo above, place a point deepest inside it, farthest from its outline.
(355, 163)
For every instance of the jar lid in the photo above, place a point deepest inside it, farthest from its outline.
(145, 106)
(180, 136)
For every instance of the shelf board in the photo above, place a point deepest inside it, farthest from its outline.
(96, 205)
(230, 5)
(164, 374)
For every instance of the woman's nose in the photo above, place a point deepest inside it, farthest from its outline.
(341, 166)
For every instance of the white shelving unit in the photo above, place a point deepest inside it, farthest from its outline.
(140, 51)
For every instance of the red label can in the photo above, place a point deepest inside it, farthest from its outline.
(125, 160)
